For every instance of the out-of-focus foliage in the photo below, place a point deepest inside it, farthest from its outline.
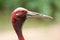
(48, 7)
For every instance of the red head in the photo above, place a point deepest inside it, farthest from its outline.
(19, 13)
(22, 12)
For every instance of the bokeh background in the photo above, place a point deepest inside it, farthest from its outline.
(41, 29)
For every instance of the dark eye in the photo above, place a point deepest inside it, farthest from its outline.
(24, 11)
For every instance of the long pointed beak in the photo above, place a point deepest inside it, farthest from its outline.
(37, 15)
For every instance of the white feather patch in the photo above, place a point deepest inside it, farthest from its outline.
(20, 8)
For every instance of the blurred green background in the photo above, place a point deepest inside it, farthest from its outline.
(47, 7)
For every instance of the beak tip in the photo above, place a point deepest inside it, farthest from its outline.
(49, 17)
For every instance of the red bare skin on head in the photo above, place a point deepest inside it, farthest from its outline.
(20, 12)
(17, 22)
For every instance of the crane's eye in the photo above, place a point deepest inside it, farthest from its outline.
(24, 11)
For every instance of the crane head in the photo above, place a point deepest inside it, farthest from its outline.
(21, 12)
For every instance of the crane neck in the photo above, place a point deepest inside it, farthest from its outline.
(17, 25)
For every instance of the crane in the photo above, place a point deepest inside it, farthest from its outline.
(19, 15)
